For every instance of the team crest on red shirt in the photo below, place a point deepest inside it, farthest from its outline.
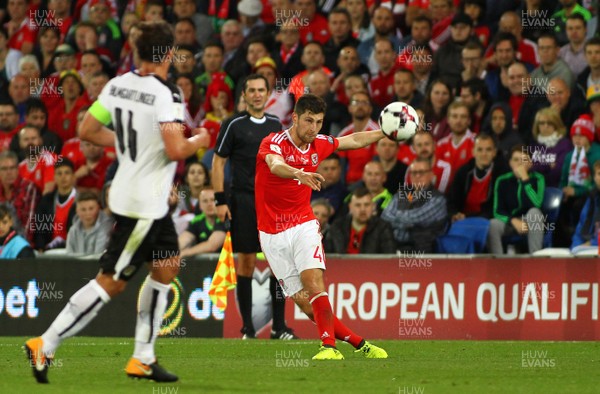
(314, 158)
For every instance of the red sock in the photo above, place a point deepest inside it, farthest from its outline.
(324, 318)
(343, 333)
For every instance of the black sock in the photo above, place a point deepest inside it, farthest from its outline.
(244, 296)
(278, 303)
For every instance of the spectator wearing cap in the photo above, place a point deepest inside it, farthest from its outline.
(249, 12)
(550, 145)
(447, 61)
(202, 22)
(576, 179)
(568, 102)
(313, 26)
(21, 33)
(62, 117)
(280, 102)
(288, 53)
(573, 53)
(64, 59)
(340, 27)
(385, 29)
(590, 76)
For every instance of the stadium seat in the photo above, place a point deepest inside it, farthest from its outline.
(465, 236)
(551, 208)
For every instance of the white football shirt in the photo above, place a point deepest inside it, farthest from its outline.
(137, 105)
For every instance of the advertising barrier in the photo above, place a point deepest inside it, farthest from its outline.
(32, 293)
(415, 297)
(401, 297)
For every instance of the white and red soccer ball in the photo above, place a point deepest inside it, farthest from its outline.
(399, 121)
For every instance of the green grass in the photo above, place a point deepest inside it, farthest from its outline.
(95, 365)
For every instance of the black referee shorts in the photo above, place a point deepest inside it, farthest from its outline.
(134, 242)
(244, 229)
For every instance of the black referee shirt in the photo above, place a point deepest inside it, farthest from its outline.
(239, 139)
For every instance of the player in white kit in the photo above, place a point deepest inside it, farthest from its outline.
(147, 113)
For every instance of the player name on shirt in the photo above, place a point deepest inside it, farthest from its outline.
(133, 95)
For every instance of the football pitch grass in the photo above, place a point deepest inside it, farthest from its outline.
(95, 365)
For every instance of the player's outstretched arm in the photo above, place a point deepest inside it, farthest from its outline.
(94, 131)
(359, 139)
(278, 167)
(177, 147)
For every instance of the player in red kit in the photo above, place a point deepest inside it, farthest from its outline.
(288, 230)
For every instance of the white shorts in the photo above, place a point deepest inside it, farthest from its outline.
(292, 251)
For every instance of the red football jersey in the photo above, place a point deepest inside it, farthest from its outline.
(283, 203)
(456, 155)
(42, 171)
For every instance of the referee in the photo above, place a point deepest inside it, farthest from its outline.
(238, 140)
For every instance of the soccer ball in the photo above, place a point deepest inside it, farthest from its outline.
(399, 121)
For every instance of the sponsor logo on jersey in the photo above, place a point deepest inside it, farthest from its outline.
(276, 148)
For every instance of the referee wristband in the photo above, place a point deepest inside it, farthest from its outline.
(220, 198)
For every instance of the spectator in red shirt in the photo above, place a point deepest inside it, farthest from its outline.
(63, 116)
(476, 11)
(18, 192)
(90, 175)
(360, 110)
(20, 31)
(38, 165)
(287, 55)
(59, 17)
(313, 26)
(348, 64)
(86, 38)
(424, 147)
(457, 148)
(56, 210)
(382, 85)
(9, 120)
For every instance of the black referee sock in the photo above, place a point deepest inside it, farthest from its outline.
(244, 296)
(278, 302)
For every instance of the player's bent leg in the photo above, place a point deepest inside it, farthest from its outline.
(244, 272)
(152, 305)
(83, 306)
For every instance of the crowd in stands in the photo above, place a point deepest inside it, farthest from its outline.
(508, 94)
